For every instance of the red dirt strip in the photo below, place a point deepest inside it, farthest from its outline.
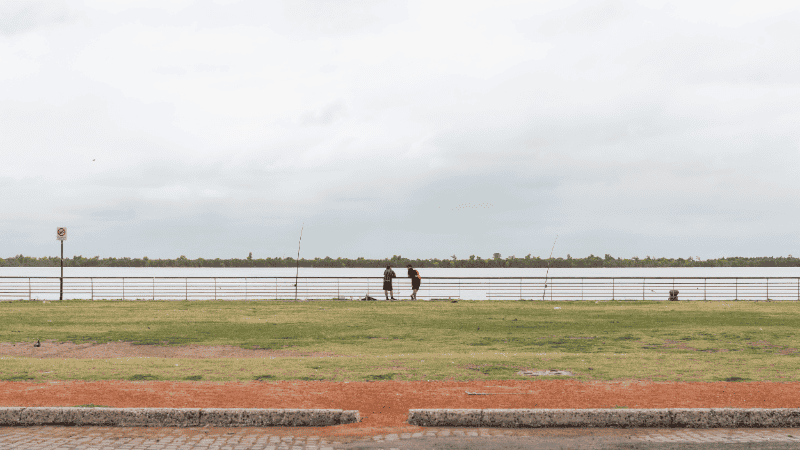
(384, 405)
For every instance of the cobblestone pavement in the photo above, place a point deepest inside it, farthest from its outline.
(107, 438)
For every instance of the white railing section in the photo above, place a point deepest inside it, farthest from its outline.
(433, 288)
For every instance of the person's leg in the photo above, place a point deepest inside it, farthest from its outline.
(414, 295)
(391, 294)
(386, 293)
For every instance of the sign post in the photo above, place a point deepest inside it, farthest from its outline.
(61, 235)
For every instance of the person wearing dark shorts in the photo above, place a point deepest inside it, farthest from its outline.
(415, 281)
(388, 274)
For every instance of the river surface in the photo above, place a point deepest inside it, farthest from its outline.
(400, 271)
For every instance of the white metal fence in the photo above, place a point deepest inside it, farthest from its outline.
(354, 288)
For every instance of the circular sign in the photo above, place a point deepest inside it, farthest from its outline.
(61, 233)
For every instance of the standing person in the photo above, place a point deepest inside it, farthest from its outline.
(388, 274)
(415, 281)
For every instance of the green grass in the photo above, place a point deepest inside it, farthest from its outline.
(618, 340)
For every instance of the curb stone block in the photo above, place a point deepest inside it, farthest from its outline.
(351, 416)
(616, 418)
(40, 416)
(512, 418)
(470, 417)
(10, 416)
(702, 418)
(173, 417)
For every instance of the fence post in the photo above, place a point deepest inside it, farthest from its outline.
(154, 288)
(613, 292)
(767, 288)
(737, 289)
(186, 287)
(245, 288)
(705, 280)
(644, 281)
(215, 289)
(29, 288)
(338, 296)
(123, 288)
(91, 281)
(582, 280)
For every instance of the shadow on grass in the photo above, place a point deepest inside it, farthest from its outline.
(143, 377)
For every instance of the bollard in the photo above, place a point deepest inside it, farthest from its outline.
(673, 295)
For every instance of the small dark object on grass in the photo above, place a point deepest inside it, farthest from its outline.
(368, 298)
(454, 301)
(37, 344)
(733, 379)
(673, 295)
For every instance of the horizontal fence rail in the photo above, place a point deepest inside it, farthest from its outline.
(433, 288)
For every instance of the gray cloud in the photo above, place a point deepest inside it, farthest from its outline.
(218, 128)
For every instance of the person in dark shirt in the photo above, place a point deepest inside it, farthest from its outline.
(415, 281)
(388, 274)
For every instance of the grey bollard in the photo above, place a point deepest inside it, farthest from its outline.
(673, 295)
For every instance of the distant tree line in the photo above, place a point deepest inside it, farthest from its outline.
(400, 261)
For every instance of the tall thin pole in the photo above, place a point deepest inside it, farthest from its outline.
(298, 262)
(61, 282)
(544, 292)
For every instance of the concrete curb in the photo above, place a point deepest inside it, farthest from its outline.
(608, 418)
(176, 417)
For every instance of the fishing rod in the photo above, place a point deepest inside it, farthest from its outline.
(297, 271)
(544, 292)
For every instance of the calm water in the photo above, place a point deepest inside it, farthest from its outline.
(378, 272)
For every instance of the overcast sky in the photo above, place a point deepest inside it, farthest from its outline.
(426, 129)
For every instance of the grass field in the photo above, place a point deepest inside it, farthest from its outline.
(658, 341)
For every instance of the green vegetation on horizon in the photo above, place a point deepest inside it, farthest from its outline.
(358, 341)
(528, 261)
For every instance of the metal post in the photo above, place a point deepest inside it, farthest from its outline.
(337, 289)
(613, 292)
(61, 282)
(154, 288)
(644, 281)
(737, 289)
(245, 288)
(767, 288)
(582, 280)
(91, 281)
(186, 292)
(123, 288)
(215, 288)
(29, 288)
(705, 280)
